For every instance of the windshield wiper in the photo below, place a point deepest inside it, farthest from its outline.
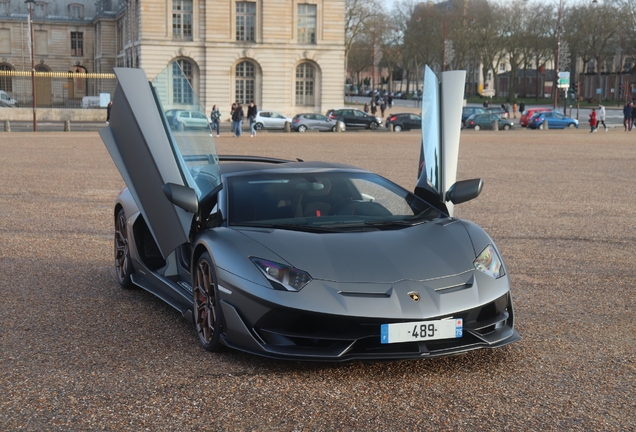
(393, 223)
(291, 227)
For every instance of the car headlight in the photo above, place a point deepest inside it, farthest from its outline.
(489, 262)
(282, 277)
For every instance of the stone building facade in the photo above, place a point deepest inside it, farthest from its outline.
(286, 55)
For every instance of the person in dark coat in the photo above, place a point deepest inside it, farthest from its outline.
(108, 108)
(251, 115)
(237, 119)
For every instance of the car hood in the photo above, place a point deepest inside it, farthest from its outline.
(423, 252)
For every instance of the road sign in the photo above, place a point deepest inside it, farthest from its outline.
(564, 80)
(488, 92)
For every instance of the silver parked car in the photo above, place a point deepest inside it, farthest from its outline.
(190, 120)
(311, 121)
(270, 120)
(309, 261)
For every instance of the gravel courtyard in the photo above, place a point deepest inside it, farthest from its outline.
(78, 353)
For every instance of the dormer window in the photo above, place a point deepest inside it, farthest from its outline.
(4, 8)
(77, 11)
(40, 10)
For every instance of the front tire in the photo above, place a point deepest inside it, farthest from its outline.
(506, 127)
(477, 127)
(258, 126)
(397, 128)
(123, 263)
(571, 126)
(206, 304)
(373, 126)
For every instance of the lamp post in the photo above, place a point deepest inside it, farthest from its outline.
(558, 54)
(30, 4)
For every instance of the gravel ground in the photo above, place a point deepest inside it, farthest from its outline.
(79, 353)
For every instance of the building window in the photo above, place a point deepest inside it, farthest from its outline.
(182, 19)
(77, 11)
(305, 84)
(502, 67)
(77, 44)
(245, 82)
(4, 8)
(182, 82)
(306, 23)
(628, 63)
(40, 10)
(245, 21)
(6, 82)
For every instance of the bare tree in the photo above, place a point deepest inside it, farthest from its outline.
(358, 13)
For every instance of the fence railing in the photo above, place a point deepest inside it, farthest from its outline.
(56, 89)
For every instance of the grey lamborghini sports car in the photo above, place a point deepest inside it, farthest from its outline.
(304, 260)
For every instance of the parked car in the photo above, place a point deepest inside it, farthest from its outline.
(404, 121)
(356, 118)
(468, 111)
(486, 121)
(311, 261)
(554, 120)
(170, 116)
(6, 100)
(311, 121)
(527, 114)
(270, 120)
(497, 110)
(190, 120)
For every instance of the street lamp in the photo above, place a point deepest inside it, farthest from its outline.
(558, 53)
(30, 4)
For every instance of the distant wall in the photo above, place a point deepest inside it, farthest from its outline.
(54, 114)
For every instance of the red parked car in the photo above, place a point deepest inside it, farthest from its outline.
(525, 116)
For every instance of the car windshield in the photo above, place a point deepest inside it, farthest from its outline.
(325, 200)
(188, 130)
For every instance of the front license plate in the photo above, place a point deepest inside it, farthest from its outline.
(421, 331)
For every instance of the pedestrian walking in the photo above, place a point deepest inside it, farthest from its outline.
(390, 98)
(108, 108)
(631, 124)
(383, 108)
(237, 119)
(601, 115)
(593, 121)
(232, 118)
(627, 116)
(215, 118)
(514, 110)
(251, 115)
(366, 108)
(522, 107)
(374, 107)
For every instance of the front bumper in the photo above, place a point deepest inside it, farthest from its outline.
(290, 334)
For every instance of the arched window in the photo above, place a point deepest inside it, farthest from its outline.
(182, 82)
(305, 84)
(245, 82)
(6, 82)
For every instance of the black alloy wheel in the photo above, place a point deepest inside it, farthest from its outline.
(123, 264)
(207, 306)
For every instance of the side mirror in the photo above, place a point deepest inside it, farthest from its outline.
(464, 190)
(182, 196)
